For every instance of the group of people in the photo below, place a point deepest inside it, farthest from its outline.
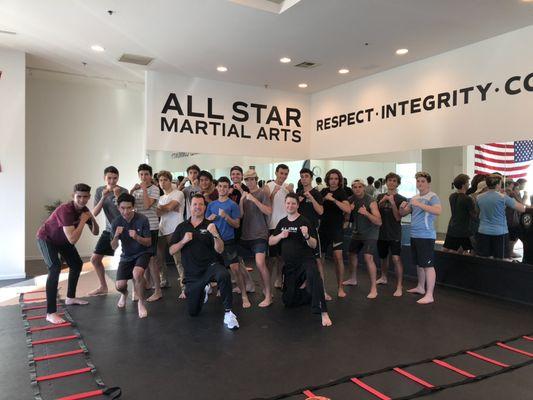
(211, 228)
(485, 217)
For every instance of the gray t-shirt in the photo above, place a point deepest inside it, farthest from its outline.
(110, 205)
(150, 213)
(363, 228)
(188, 192)
(254, 222)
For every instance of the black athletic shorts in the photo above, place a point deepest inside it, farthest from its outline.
(103, 246)
(491, 245)
(249, 248)
(230, 254)
(331, 238)
(155, 237)
(394, 247)
(274, 251)
(367, 246)
(423, 252)
(125, 268)
(454, 243)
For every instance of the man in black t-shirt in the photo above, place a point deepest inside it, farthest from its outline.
(331, 230)
(459, 228)
(302, 283)
(200, 244)
(312, 208)
(390, 232)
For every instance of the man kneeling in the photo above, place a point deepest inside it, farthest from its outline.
(133, 230)
(302, 283)
(200, 246)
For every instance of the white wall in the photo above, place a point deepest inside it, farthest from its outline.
(75, 128)
(501, 117)
(12, 109)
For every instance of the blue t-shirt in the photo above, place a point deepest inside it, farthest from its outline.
(131, 249)
(492, 219)
(227, 232)
(422, 221)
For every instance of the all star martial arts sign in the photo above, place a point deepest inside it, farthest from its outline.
(195, 115)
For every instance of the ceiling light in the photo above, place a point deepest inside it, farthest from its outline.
(222, 68)
(97, 48)
(285, 60)
(401, 52)
(344, 71)
(302, 85)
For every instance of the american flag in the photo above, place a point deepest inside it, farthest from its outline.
(510, 159)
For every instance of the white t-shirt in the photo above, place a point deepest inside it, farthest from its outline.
(278, 204)
(171, 219)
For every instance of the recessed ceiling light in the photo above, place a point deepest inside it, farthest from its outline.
(285, 60)
(302, 85)
(344, 71)
(97, 48)
(222, 68)
(401, 52)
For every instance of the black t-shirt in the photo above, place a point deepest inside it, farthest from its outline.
(390, 228)
(294, 248)
(306, 206)
(200, 251)
(333, 216)
(236, 194)
(462, 207)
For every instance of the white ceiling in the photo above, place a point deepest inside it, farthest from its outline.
(193, 37)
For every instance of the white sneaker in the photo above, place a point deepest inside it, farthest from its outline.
(230, 320)
(207, 291)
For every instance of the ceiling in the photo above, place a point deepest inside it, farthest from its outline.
(193, 37)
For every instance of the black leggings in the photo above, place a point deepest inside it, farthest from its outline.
(294, 276)
(51, 253)
(195, 287)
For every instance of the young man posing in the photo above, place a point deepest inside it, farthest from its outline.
(255, 206)
(277, 190)
(207, 189)
(424, 208)
(302, 283)
(188, 191)
(146, 198)
(366, 223)
(226, 214)
(105, 199)
(170, 209)
(57, 236)
(200, 243)
(331, 230)
(390, 231)
(133, 231)
(312, 207)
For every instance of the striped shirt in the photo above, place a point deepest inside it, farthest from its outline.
(150, 213)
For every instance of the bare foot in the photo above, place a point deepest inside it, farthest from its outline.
(236, 290)
(143, 313)
(426, 300)
(327, 296)
(372, 295)
(326, 321)
(156, 296)
(350, 282)
(182, 296)
(382, 281)
(55, 319)
(398, 292)
(246, 302)
(122, 301)
(416, 290)
(341, 293)
(100, 291)
(75, 302)
(266, 302)
(277, 284)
